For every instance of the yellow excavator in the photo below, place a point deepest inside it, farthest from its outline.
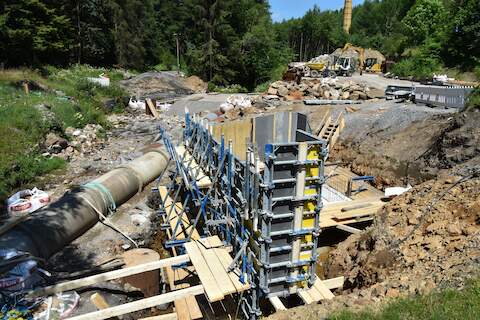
(347, 64)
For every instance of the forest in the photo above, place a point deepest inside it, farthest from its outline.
(234, 41)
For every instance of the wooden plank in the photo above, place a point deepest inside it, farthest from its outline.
(313, 292)
(197, 173)
(151, 109)
(348, 229)
(226, 261)
(213, 292)
(185, 228)
(140, 304)
(216, 267)
(168, 316)
(277, 304)
(181, 307)
(75, 284)
(324, 291)
(334, 283)
(305, 296)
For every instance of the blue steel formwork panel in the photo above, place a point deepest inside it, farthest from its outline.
(253, 205)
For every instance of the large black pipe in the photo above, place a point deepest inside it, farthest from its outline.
(49, 230)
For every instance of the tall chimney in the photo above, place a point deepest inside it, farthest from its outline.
(347, 16)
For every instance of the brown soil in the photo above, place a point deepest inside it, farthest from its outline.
(425, 239)
(416, 154)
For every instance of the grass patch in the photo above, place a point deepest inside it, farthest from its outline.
(234, 88)
(447, 304)
(69, 100)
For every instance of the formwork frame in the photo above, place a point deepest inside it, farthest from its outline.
(267, 211)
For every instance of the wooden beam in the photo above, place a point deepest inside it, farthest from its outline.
(168, 316)
(348, 228)
(324, 291)
(277, 303)
(75, 284)
(213, 292)
(305, 297)
(334, 283)
(140, 304)
(151, 109)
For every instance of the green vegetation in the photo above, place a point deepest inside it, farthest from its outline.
(235, 41)
(473, 102)
(67, 100)
(423, 36)
(447, 304)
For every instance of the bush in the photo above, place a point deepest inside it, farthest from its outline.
(418, 67)
(23, 128)
(473, 101)
(234, 88)
(263, 87)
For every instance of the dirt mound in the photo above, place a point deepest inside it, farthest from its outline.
(404, 144)
(196, 84)
(157, 85)
(425, 238)
(458, 143)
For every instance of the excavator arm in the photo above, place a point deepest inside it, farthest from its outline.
(361, 53)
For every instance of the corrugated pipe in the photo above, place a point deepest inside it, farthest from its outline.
(49, 230)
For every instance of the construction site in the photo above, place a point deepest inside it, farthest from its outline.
(337, 188)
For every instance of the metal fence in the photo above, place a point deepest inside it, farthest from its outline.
(439, 96)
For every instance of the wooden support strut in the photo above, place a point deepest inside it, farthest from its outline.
(140, 304)
(79, 283)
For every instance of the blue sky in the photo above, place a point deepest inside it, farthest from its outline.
(285, 9)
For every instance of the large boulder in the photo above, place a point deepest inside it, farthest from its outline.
(272, 91)
(282, 91)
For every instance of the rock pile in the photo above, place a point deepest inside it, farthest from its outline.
(326, 88)
(428, 237)
(83, 142)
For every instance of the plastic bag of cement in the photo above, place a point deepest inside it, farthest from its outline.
(27, 201)
(102, 80)
(60, 306)
(18, 271)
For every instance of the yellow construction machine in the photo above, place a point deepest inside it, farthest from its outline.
(346, 63)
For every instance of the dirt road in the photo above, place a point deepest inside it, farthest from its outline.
(378, 81)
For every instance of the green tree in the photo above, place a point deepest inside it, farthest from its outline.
(426, 19)
(462, 45)
(34, 31)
